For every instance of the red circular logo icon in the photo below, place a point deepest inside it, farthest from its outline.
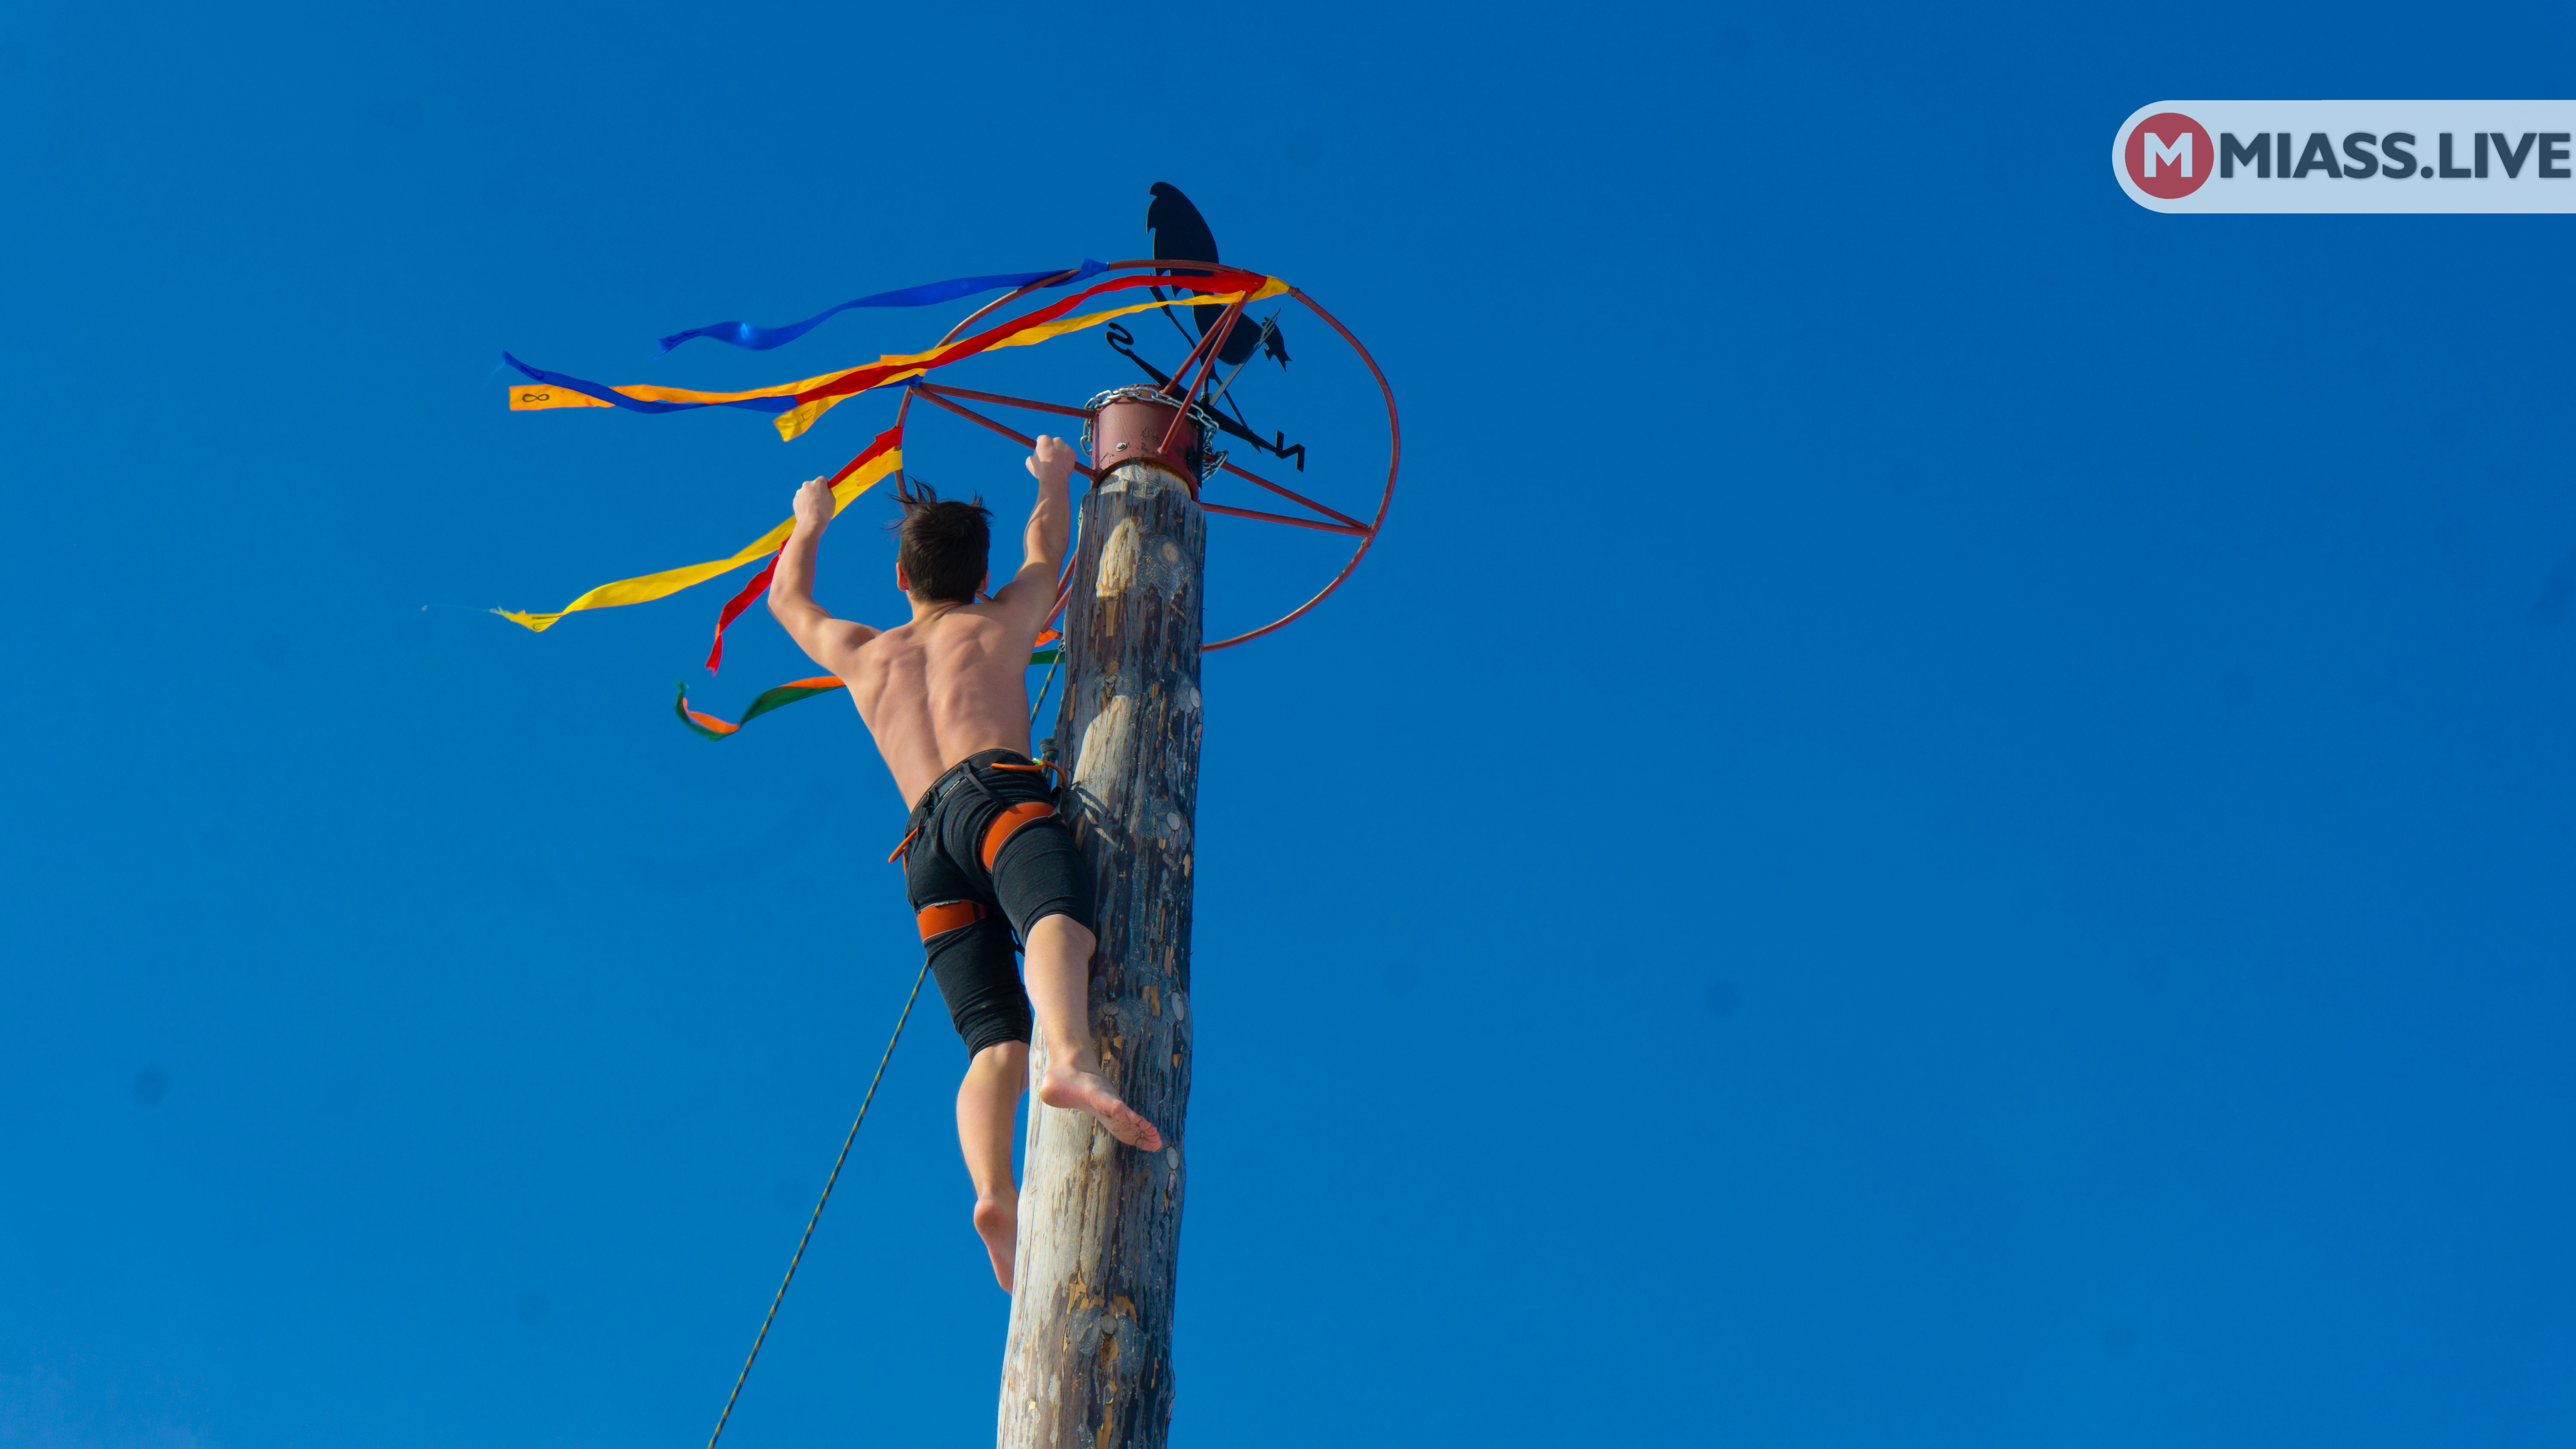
(2169, 155)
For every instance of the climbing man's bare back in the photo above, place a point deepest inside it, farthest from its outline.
(938, 690)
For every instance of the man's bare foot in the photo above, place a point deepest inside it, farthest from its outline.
(997, 1222)
(1090, 1092)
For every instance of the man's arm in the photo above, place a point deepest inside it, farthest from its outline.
(1031, 592)
(827, 641)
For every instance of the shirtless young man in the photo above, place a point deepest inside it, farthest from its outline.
(986, 856)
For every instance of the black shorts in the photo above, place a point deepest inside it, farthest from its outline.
(987, 858)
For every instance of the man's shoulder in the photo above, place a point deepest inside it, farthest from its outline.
(982, 620)
(872, 653)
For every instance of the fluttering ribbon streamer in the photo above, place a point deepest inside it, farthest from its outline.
(734, 606)
(767, 700)
(795, 689)
(797, 404)
(761, 339)
(873, 465)
(561, 390)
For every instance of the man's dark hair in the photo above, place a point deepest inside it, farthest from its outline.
(942, 544)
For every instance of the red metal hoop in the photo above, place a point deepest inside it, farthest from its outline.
(1394, 457)
(1331, 522)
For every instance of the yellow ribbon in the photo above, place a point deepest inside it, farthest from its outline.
(649, 587)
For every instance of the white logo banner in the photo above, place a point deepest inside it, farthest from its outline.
(2349, 156)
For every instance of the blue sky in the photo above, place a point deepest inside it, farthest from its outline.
(1942, 818)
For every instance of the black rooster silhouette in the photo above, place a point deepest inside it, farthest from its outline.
(1181, 234)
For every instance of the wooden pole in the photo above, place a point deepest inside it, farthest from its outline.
(1088, 1363)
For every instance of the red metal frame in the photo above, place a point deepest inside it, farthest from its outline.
(1215, 336)
(939, 395)
(1032, 404)
(1284, 518)
(944, 397)
(1394, 458)
(1294, 497)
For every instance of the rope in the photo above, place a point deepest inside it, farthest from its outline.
(1072, 553)
(799, 1257)
(1043, 686)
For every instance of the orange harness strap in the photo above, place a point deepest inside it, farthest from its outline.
(947, 916)
(1008, 823)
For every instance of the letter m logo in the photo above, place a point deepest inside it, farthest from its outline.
(2177, 154)
(2168, 155)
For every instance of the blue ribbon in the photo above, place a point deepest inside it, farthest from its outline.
(761, 339)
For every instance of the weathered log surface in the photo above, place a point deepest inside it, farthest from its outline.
(1088, 1363)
